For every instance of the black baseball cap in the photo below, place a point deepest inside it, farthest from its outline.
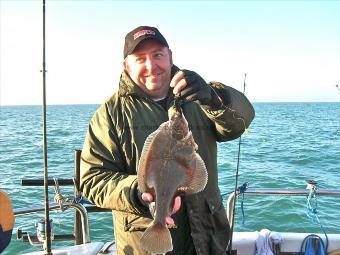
(139, 34)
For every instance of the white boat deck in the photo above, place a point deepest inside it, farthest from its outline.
(243, 242)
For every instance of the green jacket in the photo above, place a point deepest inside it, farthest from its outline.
(112, 149)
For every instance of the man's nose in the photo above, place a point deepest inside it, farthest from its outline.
(150, 63)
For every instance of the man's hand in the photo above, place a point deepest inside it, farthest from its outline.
(191, 87)
(147, 197)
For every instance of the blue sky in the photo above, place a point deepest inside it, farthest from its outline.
(290, 50)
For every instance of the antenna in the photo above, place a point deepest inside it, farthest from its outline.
(47, 243)
(236, 181)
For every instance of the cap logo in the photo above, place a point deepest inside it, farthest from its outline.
(143, 32)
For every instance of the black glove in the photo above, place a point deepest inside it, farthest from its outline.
(198, 90)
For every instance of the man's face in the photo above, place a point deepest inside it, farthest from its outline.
(149, 66)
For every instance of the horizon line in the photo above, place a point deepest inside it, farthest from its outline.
(256, 102)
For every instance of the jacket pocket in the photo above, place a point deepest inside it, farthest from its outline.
(218, 222)
(217, 215)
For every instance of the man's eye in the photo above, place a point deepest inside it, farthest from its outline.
(158, 55)
(139, 60)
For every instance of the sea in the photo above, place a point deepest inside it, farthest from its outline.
(287, 144)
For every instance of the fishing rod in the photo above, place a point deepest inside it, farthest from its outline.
(236, 181)
(47, 241)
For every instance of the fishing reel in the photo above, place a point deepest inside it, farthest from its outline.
(40, 227)
(37, 239)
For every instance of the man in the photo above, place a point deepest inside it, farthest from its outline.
(6, 220)
(120, 126)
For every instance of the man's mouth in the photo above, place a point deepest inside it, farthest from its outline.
(153, 75)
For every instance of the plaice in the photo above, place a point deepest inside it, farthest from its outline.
(169, 165)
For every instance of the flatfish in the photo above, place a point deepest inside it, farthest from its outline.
(169, 165)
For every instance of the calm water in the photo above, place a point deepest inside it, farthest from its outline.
(287, 144)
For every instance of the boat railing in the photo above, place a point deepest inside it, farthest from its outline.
(275, 192)
(81, 226)
(56, 206)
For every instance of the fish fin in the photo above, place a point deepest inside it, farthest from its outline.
(199, 178)
(142, 165)
(157, 239)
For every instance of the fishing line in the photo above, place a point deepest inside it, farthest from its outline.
(236, 178)
(336, 132)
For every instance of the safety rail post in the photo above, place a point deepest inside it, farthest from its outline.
(78, 236)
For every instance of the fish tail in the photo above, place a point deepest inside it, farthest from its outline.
(157, 239)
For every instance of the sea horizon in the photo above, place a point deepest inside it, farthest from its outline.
(255, 102)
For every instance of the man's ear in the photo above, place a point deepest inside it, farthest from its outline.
(170, 55)
(126, 65)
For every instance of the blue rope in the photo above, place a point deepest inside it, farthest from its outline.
(312, 213)
(312, 205)
(241, 189)
(82, 200)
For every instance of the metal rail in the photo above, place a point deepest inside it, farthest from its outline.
(50, 182)
(274, 192)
